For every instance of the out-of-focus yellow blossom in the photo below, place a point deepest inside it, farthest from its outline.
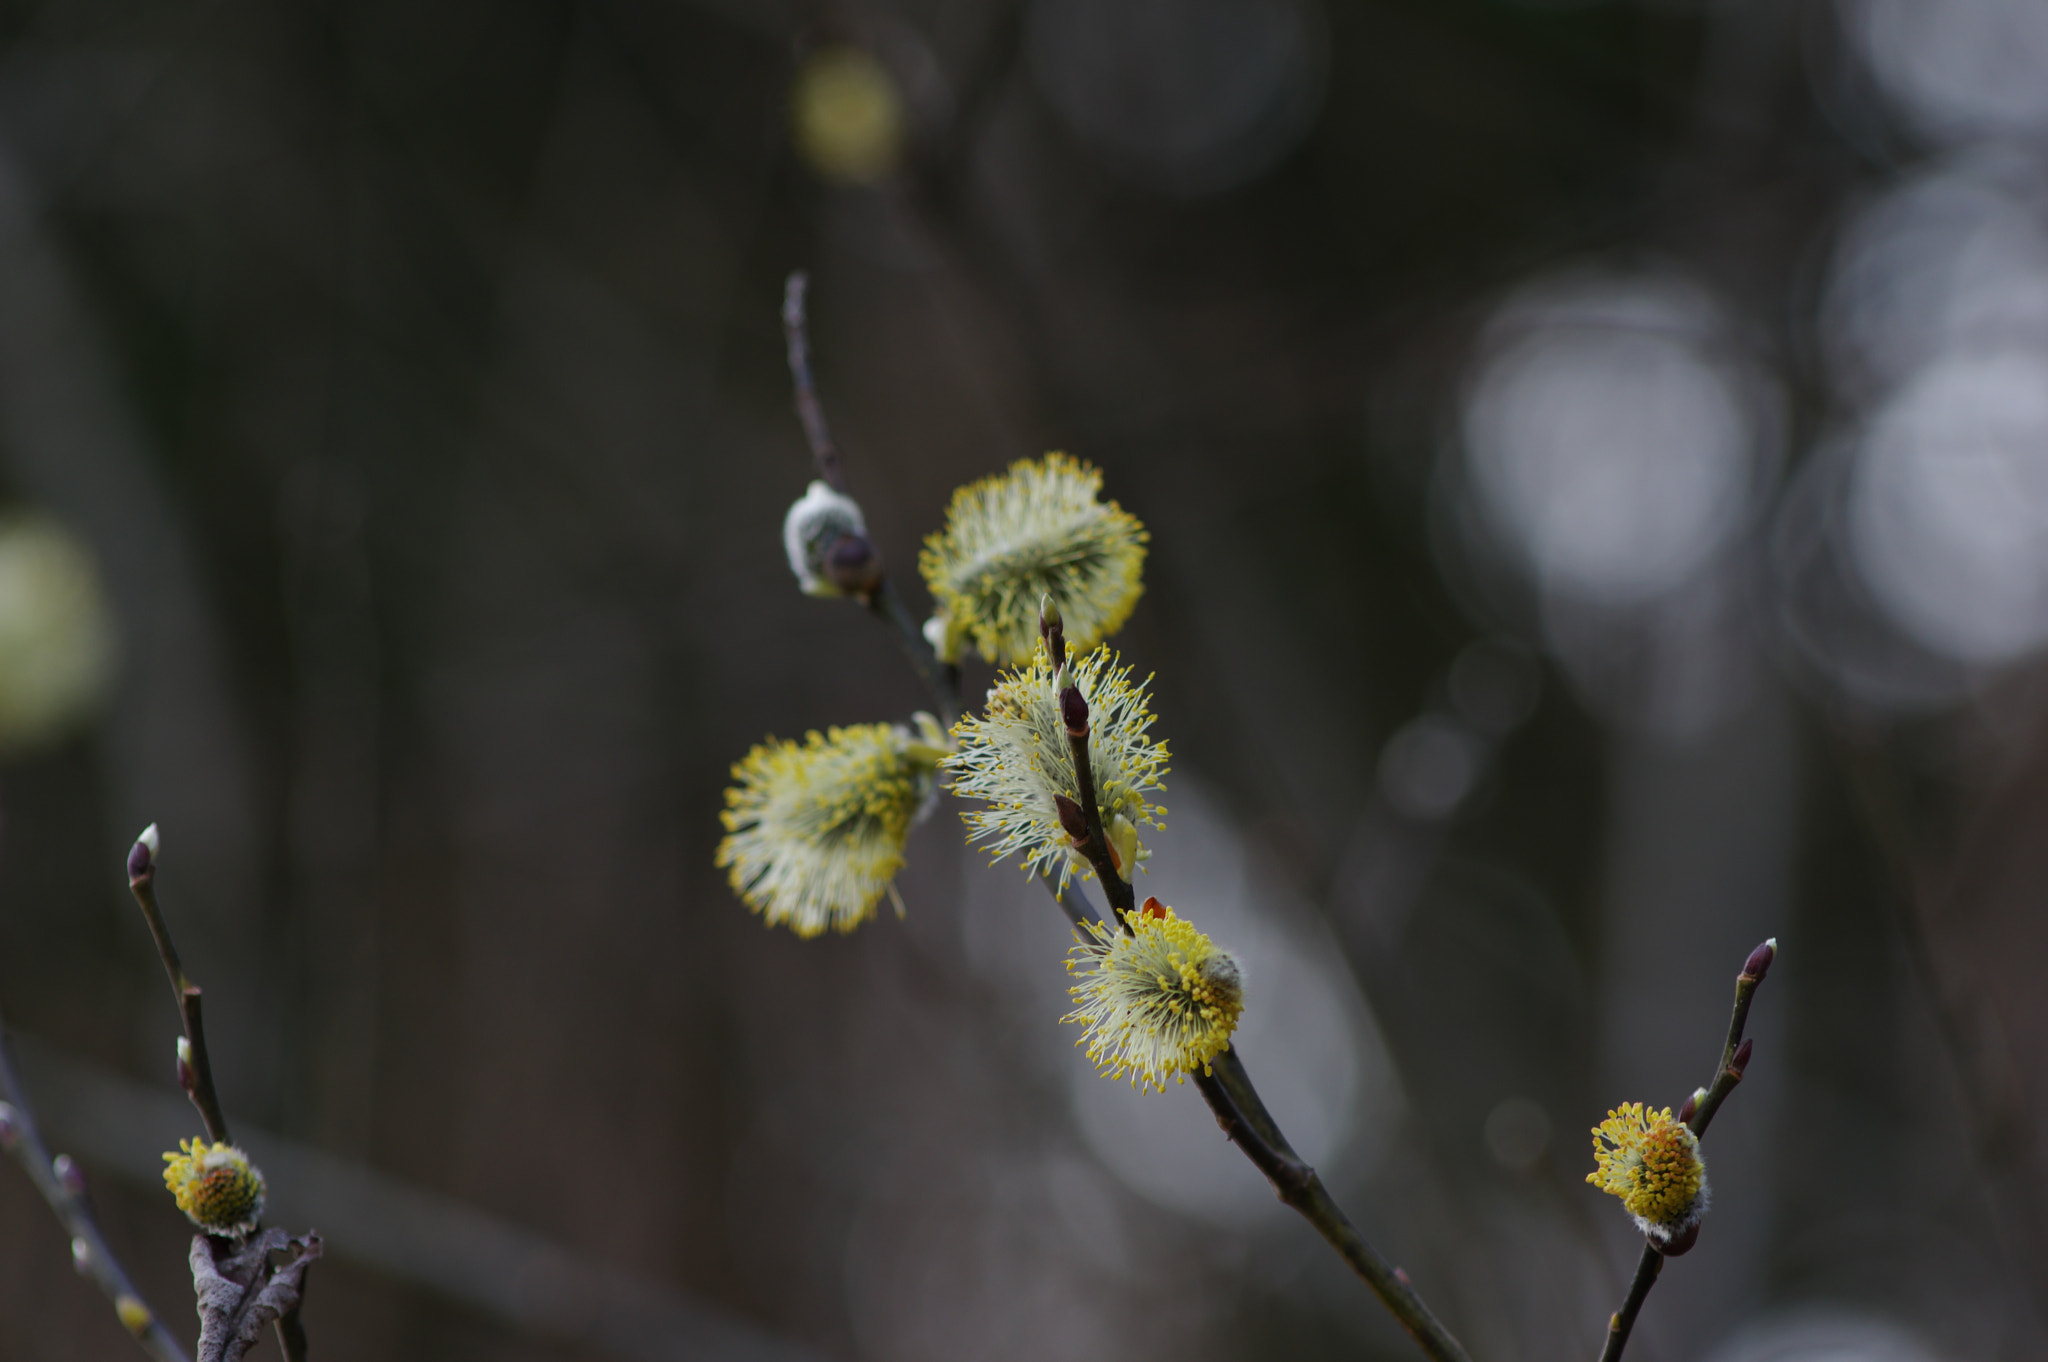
(1009, 542)
(815, 830)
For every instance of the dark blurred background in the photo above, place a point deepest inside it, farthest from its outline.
(1597, 458)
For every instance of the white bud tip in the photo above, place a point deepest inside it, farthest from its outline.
(81, 1256)
(149, 839)
(184, 1049)
(1772, 943)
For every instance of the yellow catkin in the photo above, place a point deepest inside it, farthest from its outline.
(1159, 1001)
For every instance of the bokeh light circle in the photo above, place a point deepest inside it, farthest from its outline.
(1948, 506)
(1610, 442)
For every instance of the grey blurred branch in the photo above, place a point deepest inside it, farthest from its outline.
(1697, 1113)
(21, 1137)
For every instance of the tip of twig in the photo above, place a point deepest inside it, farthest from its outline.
(1759, 962)
(142, 856)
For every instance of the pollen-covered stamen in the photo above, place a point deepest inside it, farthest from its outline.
(1652, 1162)
(1159, 1000)
(1018, 757)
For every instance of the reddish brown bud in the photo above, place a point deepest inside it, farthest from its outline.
(1401, 1276)
(1759, 961)
(1074, 710)
(1741, 1059)
(1691, 1105)
(1152, 907)
(1071, 817)
(1681, 1243)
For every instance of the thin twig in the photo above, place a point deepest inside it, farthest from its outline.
(195, 1066)
(796, 331)
(1122, 898)
(21, 1138)
(1697, 1113)
(195, 1070)
(1253, 1130)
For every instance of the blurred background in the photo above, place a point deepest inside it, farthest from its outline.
(1597, 458)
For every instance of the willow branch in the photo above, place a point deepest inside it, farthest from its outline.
(61, 1187)
(195, 1065)
(1225, 1085)
(1697, 1113)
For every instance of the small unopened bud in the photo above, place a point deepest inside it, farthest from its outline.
(1741, 1060)
(10, 1127)
(1071, 817)
(1074, 711)
(134, 1315)
(142, 856)
(187, 1078)
(81, 1257)
(826, 539)
(1053, 631)
(69, 1175)
(1759, 962)
(1690, 1105)
(1401, 1275)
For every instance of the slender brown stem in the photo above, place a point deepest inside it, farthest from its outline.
(796, 332)
(1698, 1115)
(199, 1087)
(1115, 888)
(1300, 1188)
(24, 1140)
(1623, 1321)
